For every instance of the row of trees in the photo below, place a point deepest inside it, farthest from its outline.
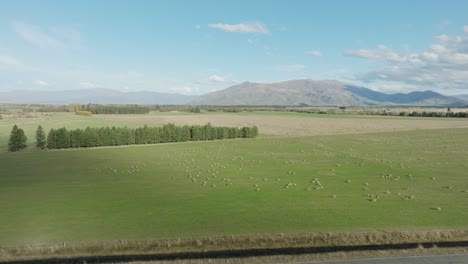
(115, 109)
(437, 114)
(115, 136)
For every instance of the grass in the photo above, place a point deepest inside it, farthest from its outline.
(157, 192)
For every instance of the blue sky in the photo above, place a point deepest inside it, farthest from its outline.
(194, 47)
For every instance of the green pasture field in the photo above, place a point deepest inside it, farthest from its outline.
(413, 180)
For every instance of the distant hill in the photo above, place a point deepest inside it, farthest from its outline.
(319, 93)
(462, 96)
(94, 96)
(293, 92)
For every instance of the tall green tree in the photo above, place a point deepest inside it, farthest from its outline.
(17, 139)
(40, 138)
(51, 139)
(62, 138)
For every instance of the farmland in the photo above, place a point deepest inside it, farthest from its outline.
(408, 180)
(277, 124)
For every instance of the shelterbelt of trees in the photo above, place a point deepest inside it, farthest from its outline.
(109, 109)
(115, 136)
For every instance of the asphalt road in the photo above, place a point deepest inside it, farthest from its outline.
(448, 259)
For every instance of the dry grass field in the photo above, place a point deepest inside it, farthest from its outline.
(277, 124)
(294, 124)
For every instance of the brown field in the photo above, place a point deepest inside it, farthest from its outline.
(287, 125)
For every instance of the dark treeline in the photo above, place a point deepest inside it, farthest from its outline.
(436, 114)
(51, 108)
(115, 109)
(411, 111)
(116, 136)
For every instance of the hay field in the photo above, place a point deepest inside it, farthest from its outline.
(296, 124)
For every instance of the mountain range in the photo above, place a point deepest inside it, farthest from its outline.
(93, 96)
(320, 93)
(462, 96)
(288, 93)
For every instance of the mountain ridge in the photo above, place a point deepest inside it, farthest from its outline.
(320, 93)
(94, 96)
(302, 92)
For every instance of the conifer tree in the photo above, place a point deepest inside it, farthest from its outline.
(17, 139)
(40, 138)
(51, 139)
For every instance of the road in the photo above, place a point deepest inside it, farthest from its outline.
(445, 259)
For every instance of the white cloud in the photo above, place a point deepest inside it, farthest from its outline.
(256, 27)
(392, 88)
(40, 83)
(314, 53)
(465, 29)
(382, 53)
(9, 61)
(442, 38)
(443, 65)
(35, 35)
(289, 67)
(216, 78)
(87, 85)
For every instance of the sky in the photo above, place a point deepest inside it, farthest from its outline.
(195, 47)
